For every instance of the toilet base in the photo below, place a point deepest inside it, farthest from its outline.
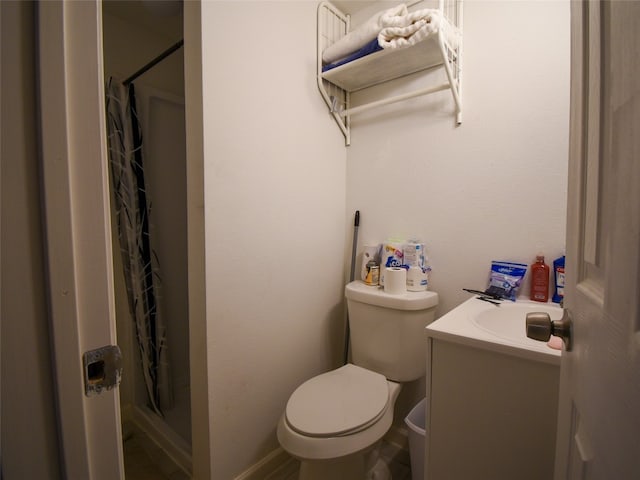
(365, 465)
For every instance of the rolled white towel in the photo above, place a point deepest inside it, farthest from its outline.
(361, 35)
(408, 19)
(407, 30)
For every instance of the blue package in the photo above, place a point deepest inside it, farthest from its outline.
(558, 275)
(505, 279)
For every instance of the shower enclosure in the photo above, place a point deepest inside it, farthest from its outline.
(146, 130)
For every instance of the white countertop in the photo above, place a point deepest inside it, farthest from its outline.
(460, 326)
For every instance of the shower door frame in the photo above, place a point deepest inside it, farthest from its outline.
(82, 312)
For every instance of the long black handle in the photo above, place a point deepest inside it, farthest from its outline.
(356, 224)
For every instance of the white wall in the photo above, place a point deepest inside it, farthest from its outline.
(278, 226)
(274, 177)
(493, 188)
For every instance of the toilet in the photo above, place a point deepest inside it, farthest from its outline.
(334, 422)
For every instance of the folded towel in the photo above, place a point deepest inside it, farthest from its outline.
(371, 47)
(407, 30)
(362, 35)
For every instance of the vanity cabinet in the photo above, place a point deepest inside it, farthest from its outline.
(490, 415)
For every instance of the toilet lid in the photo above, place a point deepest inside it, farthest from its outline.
(338, 402)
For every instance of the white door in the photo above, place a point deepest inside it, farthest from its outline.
(78, 232)
(599, 414)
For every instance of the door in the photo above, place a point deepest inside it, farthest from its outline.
(599, 411)
(73, 143)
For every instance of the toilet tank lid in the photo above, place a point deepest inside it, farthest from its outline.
(361, 292)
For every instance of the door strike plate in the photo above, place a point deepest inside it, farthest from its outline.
(102, 369)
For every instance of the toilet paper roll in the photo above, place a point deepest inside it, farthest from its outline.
(369, 253)
(395, 280)
(417, 279)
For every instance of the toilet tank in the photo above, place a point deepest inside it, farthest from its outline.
(387, 331)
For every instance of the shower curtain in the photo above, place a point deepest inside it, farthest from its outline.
(132, 209)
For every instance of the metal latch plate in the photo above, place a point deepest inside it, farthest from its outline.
(102, 369)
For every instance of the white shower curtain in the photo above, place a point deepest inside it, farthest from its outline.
(140, 264)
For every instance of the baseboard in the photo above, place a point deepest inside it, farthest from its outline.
(275, 466)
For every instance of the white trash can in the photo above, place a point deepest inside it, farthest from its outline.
(416, 423)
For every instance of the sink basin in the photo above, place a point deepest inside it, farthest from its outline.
(497, 328)
(508, 320)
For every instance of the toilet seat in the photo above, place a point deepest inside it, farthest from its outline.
(341, 402)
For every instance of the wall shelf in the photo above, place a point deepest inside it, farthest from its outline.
(385, 65)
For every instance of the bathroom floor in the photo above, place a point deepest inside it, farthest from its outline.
(143, 460)
(398, 461)
(396, 458)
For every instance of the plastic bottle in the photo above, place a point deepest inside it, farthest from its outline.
(540, 280)
(558, 274)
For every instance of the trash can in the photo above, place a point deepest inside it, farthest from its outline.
(416, 423)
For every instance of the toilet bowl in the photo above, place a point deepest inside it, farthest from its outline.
(333, 423)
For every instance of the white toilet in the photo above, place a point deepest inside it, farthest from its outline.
(333, 422)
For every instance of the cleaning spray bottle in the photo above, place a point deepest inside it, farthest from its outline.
(540, 280)
(558, 274)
